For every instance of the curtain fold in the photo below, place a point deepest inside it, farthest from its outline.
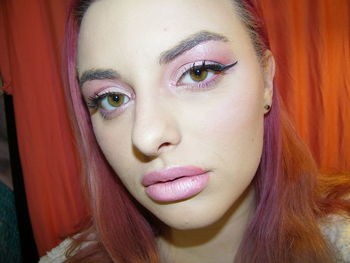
(310, 40)
(31, 43)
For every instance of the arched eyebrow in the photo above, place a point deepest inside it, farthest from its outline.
(189, 43)
(165, 57)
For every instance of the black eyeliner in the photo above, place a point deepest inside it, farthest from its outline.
(227, 67)
(214, 67)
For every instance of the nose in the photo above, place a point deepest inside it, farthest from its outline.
(155, 128)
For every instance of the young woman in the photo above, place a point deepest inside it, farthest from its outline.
(187, 151)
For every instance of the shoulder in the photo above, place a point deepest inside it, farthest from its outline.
(57, 254)
(336, 230)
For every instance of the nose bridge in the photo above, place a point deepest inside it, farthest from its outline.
(154, 124)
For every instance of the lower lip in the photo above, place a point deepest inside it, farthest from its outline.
(179, 189)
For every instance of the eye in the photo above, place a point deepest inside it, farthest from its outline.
(199, 74)
(202, 73)
(111, 101)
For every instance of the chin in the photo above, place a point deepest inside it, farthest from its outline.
(191, 214)
(194, 224)
(188, 218)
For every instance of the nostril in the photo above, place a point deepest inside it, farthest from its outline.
(164, 145)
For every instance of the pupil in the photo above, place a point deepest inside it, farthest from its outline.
(198, 72)
(115, 98)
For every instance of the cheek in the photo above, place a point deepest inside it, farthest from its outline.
(233, 124)
(239, 120)
(114, 140)
(238, 140)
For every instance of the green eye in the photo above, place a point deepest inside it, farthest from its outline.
(198, 74)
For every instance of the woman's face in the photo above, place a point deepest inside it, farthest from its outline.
(176, 95)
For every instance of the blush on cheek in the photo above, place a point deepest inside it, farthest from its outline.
(235, 127)
(237, 114)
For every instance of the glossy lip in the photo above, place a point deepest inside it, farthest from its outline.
(175, 183)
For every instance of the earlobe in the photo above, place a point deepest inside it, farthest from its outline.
(268, 64)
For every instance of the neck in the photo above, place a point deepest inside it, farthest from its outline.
(218, 242)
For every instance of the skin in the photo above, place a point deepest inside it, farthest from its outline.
(168, 123)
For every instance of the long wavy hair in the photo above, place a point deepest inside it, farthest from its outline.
(291, 197)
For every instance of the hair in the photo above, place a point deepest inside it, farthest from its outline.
(291, 197)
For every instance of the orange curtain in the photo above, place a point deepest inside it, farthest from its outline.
(310, 40)
(31, 39)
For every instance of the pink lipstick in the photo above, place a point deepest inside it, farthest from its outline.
(175, 183)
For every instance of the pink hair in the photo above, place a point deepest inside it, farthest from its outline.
(122, 233)
(288, 190)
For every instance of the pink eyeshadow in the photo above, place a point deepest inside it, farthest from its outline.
(217, 51)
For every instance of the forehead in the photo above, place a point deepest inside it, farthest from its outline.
(116, 31)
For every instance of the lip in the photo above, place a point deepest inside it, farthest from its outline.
(175, 183)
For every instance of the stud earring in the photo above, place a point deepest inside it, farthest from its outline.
(267, 107)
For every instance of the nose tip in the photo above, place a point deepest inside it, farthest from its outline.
(147, 156)
(154, 132)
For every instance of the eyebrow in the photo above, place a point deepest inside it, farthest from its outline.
(165, 57)
(93, 74)
(189, 43)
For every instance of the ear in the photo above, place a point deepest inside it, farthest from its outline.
(268, 64)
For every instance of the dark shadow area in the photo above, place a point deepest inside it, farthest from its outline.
(25, 243)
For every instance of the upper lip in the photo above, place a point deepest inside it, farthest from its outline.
(170, 174)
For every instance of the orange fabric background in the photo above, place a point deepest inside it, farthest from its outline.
(31, 41)
(310, 40)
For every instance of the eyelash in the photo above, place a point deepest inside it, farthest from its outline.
(94, 101)
(203, 66)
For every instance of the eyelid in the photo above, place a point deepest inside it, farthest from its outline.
(188, 66)
(112, 89)
(93, 101)
(216, 68)
(95, 86)
(94, 92)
